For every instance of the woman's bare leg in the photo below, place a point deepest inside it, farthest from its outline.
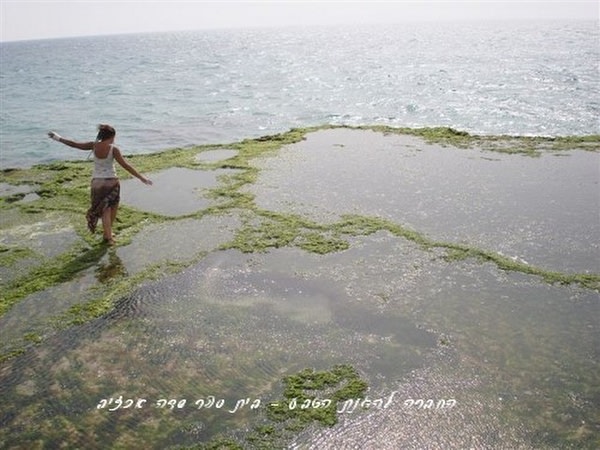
(107, 219)
(113, 214)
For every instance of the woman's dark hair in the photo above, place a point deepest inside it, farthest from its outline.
(105, 132)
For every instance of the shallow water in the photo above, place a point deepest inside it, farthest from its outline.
(523, 365)
(233, 324)
(44, 235)
(519, 357)
(541, 210)
(175, 192)
(157, 245)
(219, 328)
(170, 241)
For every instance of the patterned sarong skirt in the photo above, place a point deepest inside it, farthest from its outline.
(105, 193)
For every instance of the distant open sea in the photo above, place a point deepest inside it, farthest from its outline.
(177, 89)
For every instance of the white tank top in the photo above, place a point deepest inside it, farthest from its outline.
(104, 167)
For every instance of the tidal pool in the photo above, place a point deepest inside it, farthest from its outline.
(465, 354)
(175, 192)
(503, 346)
(540, 210)
(159, 246)
(230, 327)
(522, 364)
(171, 241)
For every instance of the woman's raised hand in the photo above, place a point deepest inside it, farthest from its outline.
(54, 135)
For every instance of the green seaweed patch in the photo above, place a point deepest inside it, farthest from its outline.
(9, 256)
(591, 140)
(176, 157)
(271, 230)
(313, 242)
(32, 337)
(306, 395)
(258, 237)
(228, 193)
(275, 141)
(263, 230)
(533, 146)
(59, 270)
(11, 354)
(247, 150)
(457, 252)
(115, 290)
(357, 225)
(50, 177)
(264, 436)
(437, 135)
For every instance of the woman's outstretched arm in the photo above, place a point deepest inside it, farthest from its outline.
(79, 145)
(128, 167)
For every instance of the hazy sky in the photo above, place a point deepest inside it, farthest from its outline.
(23, 19)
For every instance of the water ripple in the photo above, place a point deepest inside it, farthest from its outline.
(235, 84)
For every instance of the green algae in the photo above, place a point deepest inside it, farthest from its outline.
(265, 229)
(58, 270)
(310, 387)
(321, 244)
(309, 397)
(64, 187)
(9, 255)
(33, 337)
(11, 354)
(116, 289)
(532, 146)
(280, 230)
(457, 252)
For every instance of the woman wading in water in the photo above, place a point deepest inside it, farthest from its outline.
(105, 193)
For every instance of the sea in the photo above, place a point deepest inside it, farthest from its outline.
(178, 89)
